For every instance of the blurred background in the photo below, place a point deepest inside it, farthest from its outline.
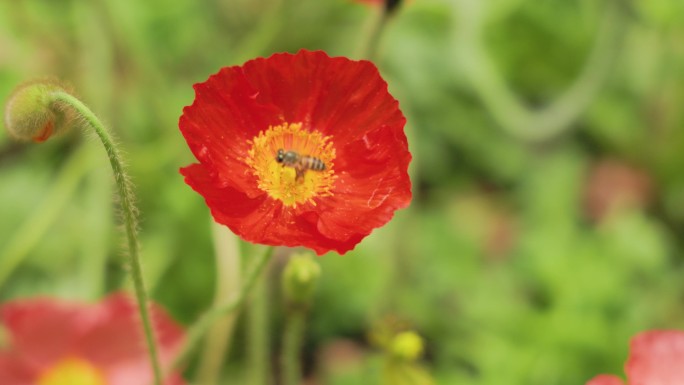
(548, 142)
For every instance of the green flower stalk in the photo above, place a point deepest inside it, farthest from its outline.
(38, 110)
(230, 305)
(299, 281)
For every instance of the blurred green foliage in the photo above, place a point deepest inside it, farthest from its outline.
(539, 241)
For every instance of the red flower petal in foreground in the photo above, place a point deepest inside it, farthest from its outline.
(58, 343)
(655, 358)
(343, 163)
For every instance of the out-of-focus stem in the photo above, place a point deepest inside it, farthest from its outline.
(30, 231)
(371, 40)
(299, 280)
(257, 334)
(219, 337)
(200, 327)
(269, 26)
(129, 214)
(291, 350)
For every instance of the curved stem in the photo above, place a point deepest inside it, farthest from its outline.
(129, 214)
(197, 330)
(290, 355)
(509, 111)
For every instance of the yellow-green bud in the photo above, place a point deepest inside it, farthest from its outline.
(407, 346)
(31, 114)
(300, 278)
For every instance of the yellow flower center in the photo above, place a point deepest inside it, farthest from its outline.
(305, 170)
(72, 371)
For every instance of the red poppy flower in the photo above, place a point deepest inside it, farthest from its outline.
(342, 169)
(655, 358)
(58, 343)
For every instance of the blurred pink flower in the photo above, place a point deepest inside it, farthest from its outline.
(655, 358)
(51, 342)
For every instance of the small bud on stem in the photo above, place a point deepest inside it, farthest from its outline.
(407, 346)
(32, 114)
(300, 278)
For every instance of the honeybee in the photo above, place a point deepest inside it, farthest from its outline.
(301, 163)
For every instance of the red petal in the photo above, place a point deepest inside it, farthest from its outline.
(368, 190)
(223, 118)
(261, 220)
(605, 379)
(42, 330)
(117, 344)
(336, 96)
(656, 358)
(14, 371)
(108, 335)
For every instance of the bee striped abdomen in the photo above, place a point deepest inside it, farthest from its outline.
(312, 163)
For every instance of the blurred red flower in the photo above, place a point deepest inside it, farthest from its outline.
(344, 160)
(655, 358)
(59, 343)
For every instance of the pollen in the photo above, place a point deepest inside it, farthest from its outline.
(280, 180)
(72, 371)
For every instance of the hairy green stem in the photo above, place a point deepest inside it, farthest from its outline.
(129, 214)
(199, 328)
(291, 349)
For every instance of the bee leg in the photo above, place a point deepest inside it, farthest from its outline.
(300, 174)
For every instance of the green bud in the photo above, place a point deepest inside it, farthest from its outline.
(31, 113)
(407, 345)
(300, 278)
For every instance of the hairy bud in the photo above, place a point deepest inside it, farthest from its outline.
(300, 278)
(407, 345)
(32, 114)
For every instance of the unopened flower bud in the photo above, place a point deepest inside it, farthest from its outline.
(300, 278)
(407, 345)
(31, 113)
